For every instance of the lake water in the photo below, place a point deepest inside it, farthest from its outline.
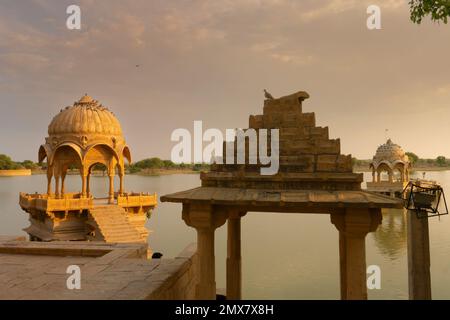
(285, 256)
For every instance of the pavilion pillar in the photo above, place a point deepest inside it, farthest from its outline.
(234, 260)
(419, 277)
(88, 185)
(111, 188)
(121, 183)
(84, 175)
(57, 188)
(63, 184)
(205, 219)
(378, 176)
(373, 176)
(353, 226)
(49, 181)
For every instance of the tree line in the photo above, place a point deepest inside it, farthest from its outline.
(157, 163)
(6, 163)
(415, 160)
(439, 161)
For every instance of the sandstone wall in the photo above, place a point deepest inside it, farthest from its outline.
(179, 276)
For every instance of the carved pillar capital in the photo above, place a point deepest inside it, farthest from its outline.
(235, 213)
(204, 216)
(357, 222)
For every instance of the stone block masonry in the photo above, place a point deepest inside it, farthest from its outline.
(37, 271)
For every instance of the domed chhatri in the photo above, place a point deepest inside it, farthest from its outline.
(392, 159)
(82, 136)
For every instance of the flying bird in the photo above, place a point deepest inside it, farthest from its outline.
(267, 95)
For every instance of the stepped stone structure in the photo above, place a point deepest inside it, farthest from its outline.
(82, 136)
(389, 158)
(314, 177)
(307, 154)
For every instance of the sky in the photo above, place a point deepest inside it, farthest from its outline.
(210, 60)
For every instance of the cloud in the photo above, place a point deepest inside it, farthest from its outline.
(443, 90)
(210, 60)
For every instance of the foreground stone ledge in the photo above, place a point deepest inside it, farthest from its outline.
(37, 271)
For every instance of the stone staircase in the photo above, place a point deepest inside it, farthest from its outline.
(111, 224)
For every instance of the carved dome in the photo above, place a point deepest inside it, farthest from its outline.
(85, 117)
(390, 152)
(83, 127)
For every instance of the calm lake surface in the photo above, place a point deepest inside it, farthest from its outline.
(285, 256)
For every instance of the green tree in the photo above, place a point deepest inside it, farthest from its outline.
(151, 163)
(439, 10)
(28, 164)
(441, 161)
(100, 167)
(168, 164)
(413, 158)
(6, 163)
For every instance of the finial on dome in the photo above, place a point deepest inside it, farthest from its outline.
(86, 99)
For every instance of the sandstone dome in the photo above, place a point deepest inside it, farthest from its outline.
(86, 116)
(390, 152)
(86, 127)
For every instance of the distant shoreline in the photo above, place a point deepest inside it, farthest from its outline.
(413, 169)
(15, 173)
(163, 172)
(143, 172)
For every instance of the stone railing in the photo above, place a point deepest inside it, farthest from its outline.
(68, 202)
(137, 200)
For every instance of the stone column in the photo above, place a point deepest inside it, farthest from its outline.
(205, 219)
(121, 184)
(49, 181)
(353, 226)
(419, 277)
(88, 185)
(111, 188)
(234, 264)
(57, 188)
(63, 184)
(83, 183)
(378, 176)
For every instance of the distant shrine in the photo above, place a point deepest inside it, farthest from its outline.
(392, 161)
(79, 138)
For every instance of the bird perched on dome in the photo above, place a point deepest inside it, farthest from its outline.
(267, 95)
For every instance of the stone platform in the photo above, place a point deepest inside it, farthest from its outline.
(37, 271)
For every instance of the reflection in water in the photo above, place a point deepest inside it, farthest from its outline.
(390, 238)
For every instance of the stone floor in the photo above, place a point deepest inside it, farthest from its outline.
(37, 270)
